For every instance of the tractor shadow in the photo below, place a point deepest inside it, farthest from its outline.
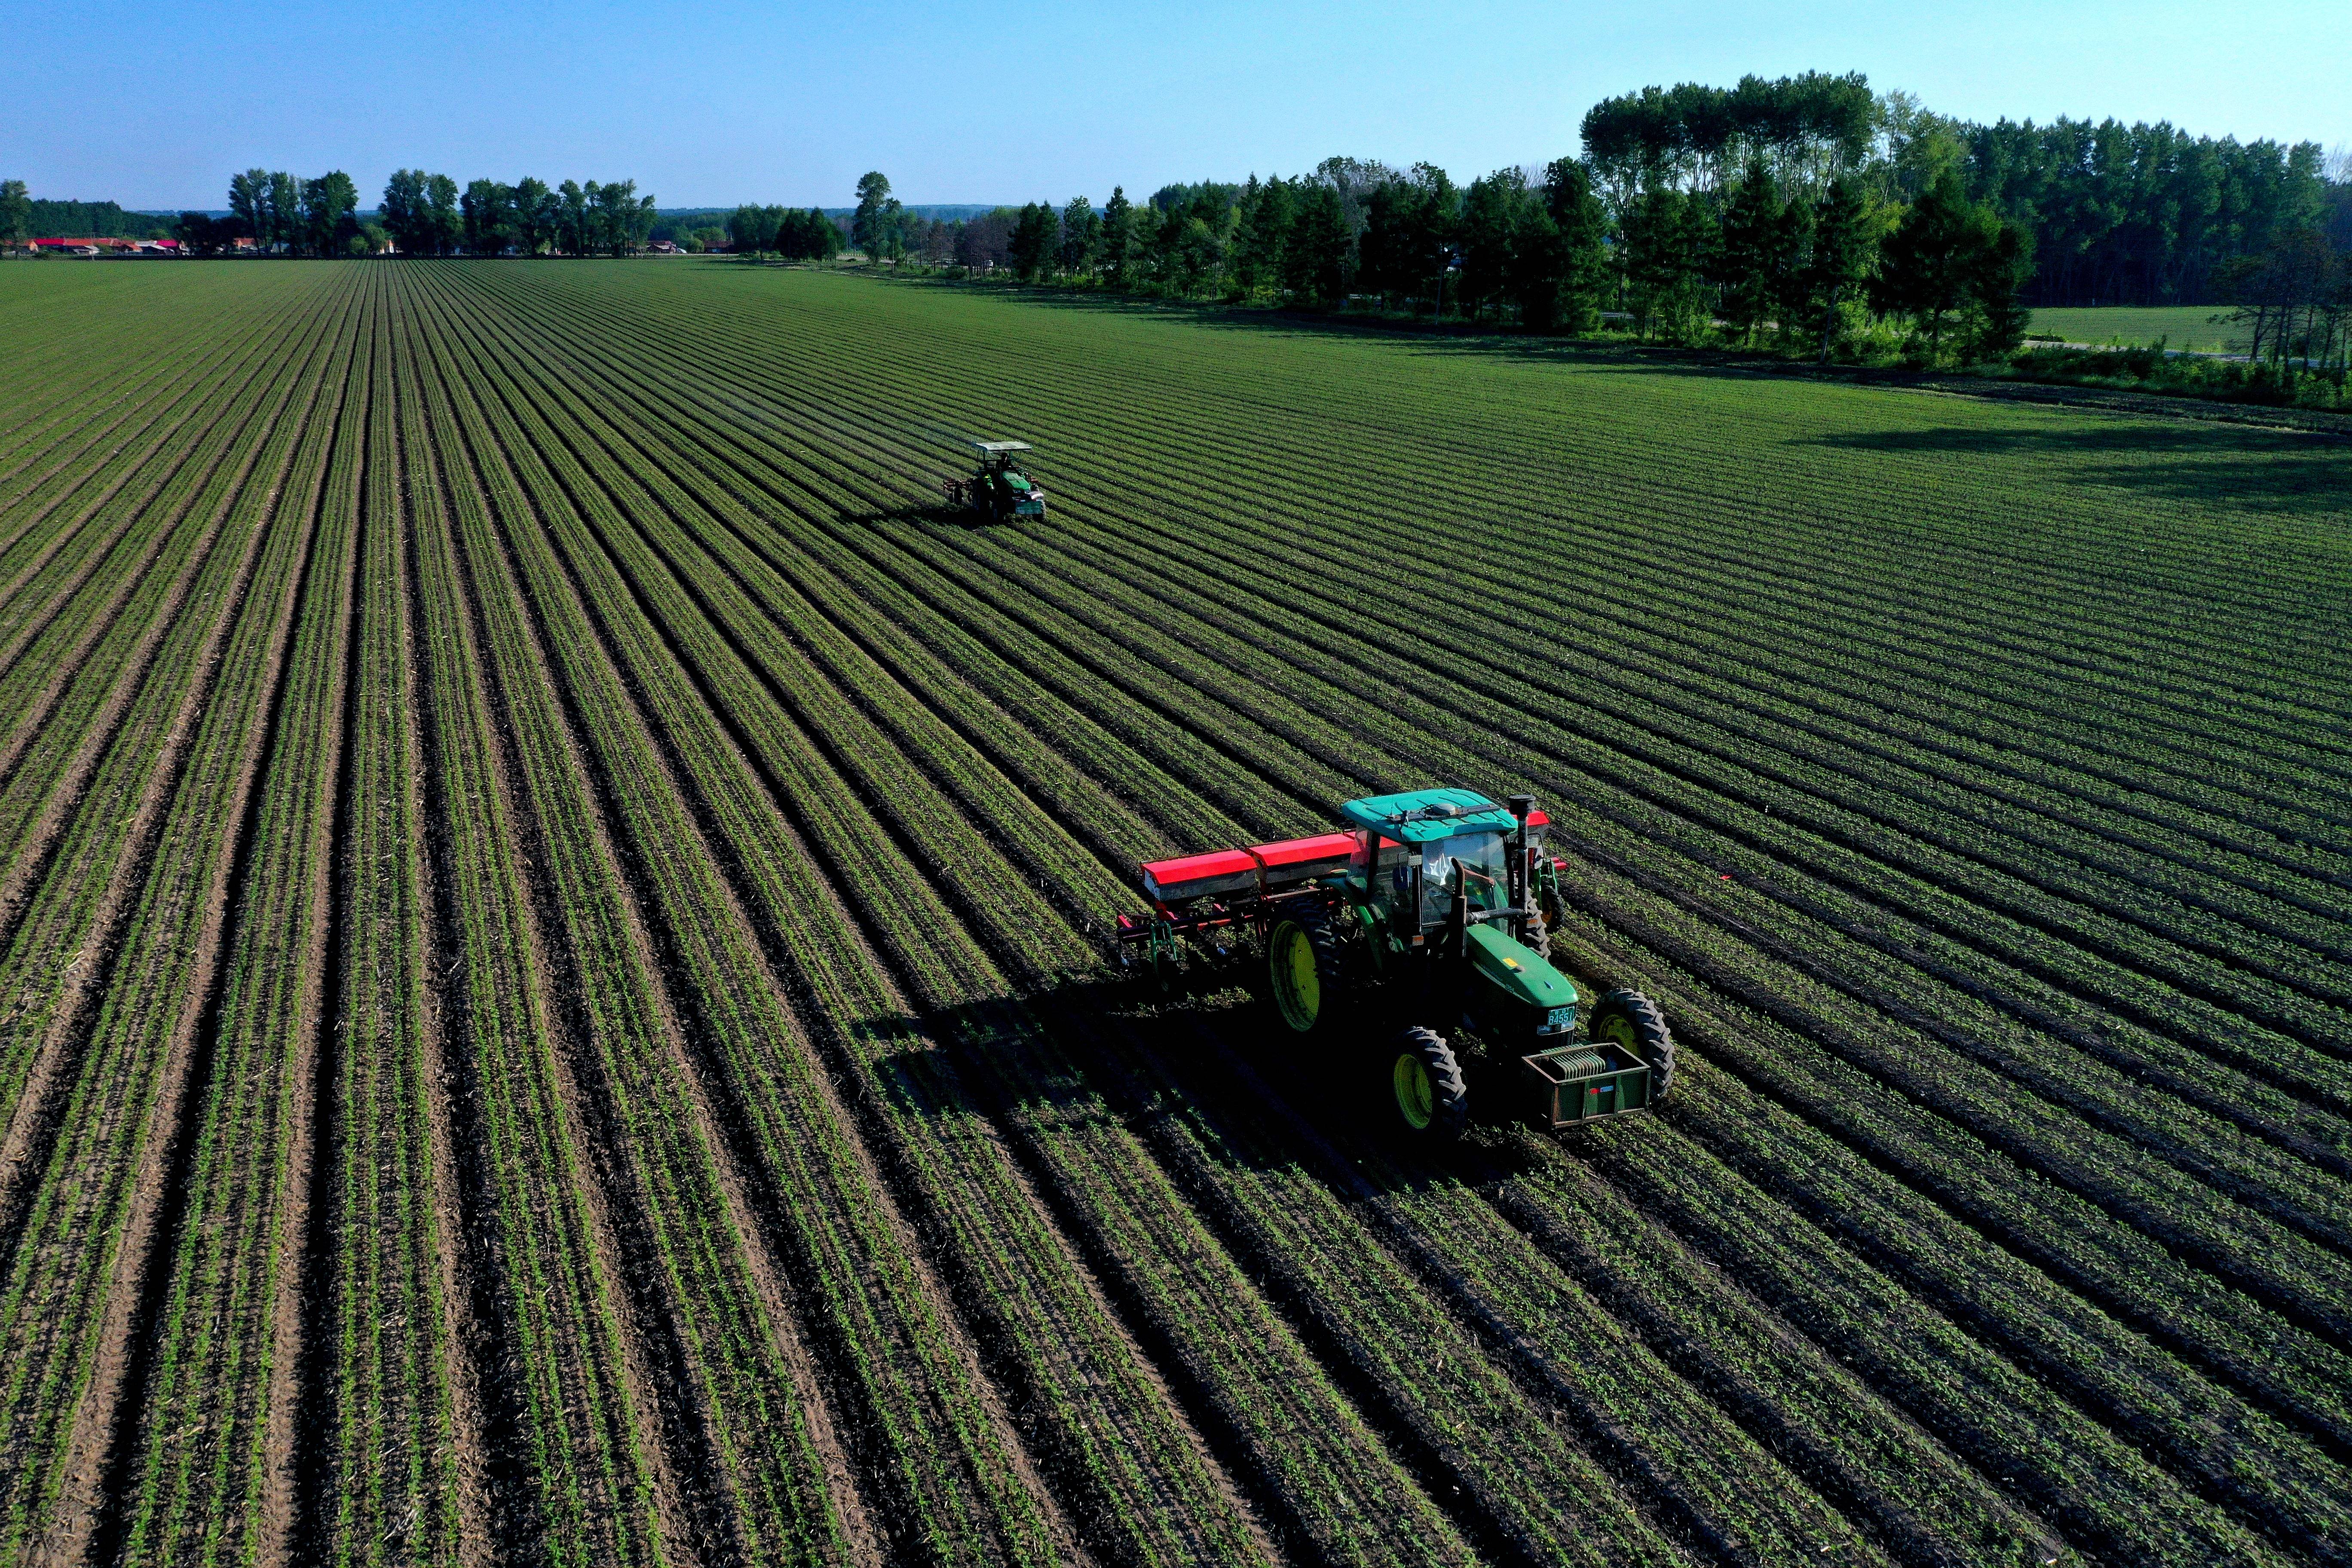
(929, 514)
(1208, 1078)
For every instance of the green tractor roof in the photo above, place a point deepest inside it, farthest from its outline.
(1424, 815)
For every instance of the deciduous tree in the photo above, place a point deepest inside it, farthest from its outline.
(874, 228)
(248, 203)
(485, 206)
(329, 205)
(1081, 236)
(15, 212)
(285, 210)
(537, 210)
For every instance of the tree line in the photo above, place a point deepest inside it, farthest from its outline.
(789, 232)
(423, 215)
(428, 214)
(24, 216)
(1805, 211)
(1545, 252)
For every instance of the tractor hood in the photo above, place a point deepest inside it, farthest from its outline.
(1518, 973)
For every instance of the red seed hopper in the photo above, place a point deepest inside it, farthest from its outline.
(1261, 869)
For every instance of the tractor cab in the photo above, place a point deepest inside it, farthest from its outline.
(1429, 845)
(998, 489)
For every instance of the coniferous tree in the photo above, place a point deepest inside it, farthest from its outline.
(1492, 212)
(1035, 233)
(1663, 259)
(1839, 254)
(1760, 253)
(1997, 272)
(1315, 261)
(1582, 223)
(1262, 234)
(875, 227)
(1927, 264)
(1117, 236)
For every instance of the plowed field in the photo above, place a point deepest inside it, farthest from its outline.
(551, 908)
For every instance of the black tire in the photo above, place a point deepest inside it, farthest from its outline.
(1427, 1088)
(1305, 977)
(1539, 937)
(1630, 1019)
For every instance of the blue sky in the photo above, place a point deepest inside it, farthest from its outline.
(709, 103)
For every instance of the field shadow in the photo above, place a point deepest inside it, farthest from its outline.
(2200, 418)
(1251, 1096)
(929, 514)
(2269, 469)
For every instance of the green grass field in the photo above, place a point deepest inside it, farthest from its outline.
(552, 916)
(2181, 326)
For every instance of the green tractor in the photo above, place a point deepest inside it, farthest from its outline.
(998, 491)
(1424, 921)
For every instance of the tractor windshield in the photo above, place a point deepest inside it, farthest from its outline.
(1475, 863)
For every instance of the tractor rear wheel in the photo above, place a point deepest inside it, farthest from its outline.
(1630, 1020)
(1303, 973)
(1427, 1082)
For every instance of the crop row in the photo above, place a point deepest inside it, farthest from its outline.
(105, 1124)
(782, 749)
(836, 730)
(549, 955)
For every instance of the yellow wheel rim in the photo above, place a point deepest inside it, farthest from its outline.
(1416, 1097)
(1618, 1030)
(1297, 989)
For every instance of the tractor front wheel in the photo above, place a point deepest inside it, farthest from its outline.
(1302, 963)
(1630, 1020)
(1427, 1081)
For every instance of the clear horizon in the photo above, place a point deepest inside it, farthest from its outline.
(709, 104)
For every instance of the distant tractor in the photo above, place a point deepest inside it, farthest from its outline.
(1425, 921)
(998, 490)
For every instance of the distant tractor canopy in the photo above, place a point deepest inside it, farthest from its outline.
(998, 491)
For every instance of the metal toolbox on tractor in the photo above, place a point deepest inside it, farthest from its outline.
(1577, 1082)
